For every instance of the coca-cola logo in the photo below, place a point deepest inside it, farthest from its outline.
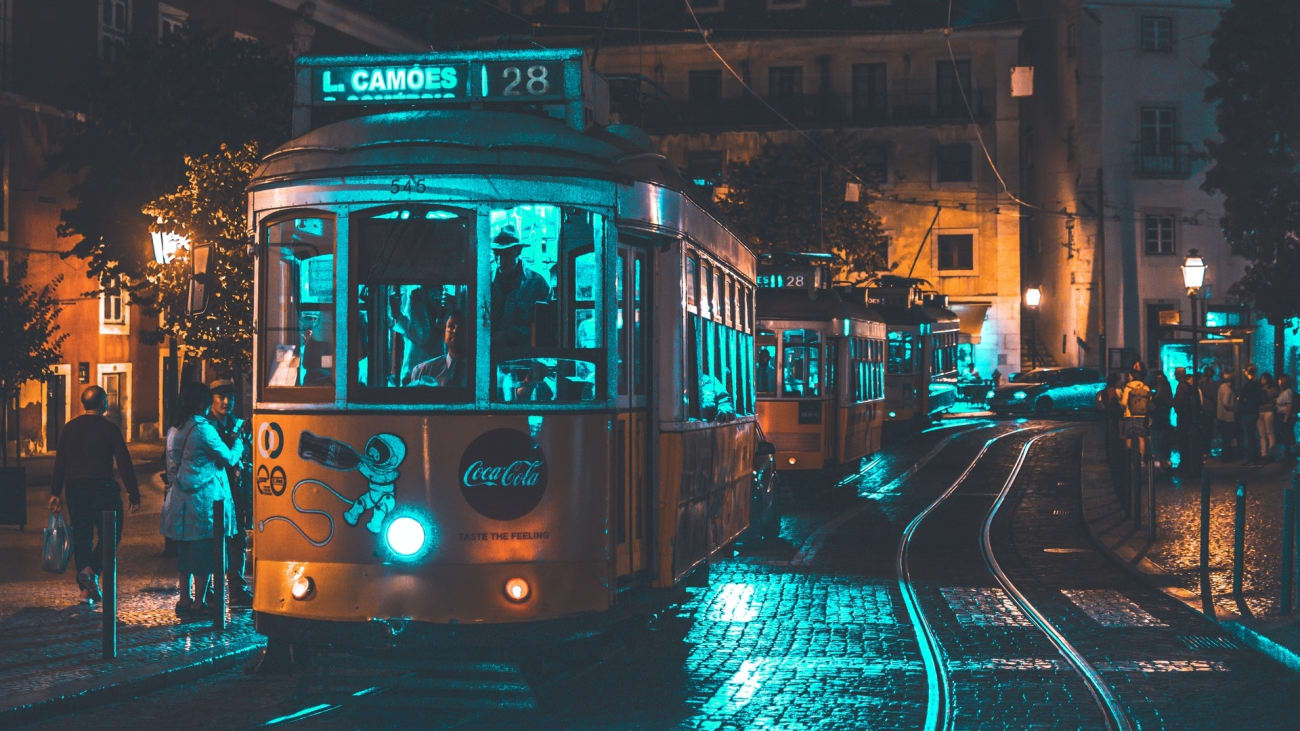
(503, 474)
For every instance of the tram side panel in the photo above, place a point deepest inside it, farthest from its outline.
(497, 497)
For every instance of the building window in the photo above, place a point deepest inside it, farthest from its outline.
(4, 189)
(1157, 142)
(704, 169)
(114, 26)
(1159, 234)
(956, 252)
(113, 311)
(170, 21)
(954, 163)
(869, 99)
(950, 81)
(784, 82)
(1157, 33)
(4, 266)
(704, 86)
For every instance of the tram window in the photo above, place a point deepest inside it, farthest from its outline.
(692, 369)
(706, 290)
(765, 363)
(621, 316)
(299, 304)
(639, 333)
(546, 285)
(715, 295)
(900, 352)
(412, 307)
(692, 274)
(730, 290)
(800, 367)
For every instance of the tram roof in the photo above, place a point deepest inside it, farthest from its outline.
(817, 304)
(468, 140)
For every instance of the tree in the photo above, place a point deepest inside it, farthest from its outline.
(208, 209)
(791, 196)
(148, 110)
(31, 337)
(1252, 58)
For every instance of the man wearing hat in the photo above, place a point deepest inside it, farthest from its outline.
(516, 290)
(232, 428)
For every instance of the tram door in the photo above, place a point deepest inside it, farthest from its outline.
(631, 437)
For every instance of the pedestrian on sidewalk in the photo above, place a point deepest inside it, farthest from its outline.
(1162, 401)
(197, 461)
(1267, 414)
(1285, 416)
(1209, 389)
(221, 412)
(1186, 408)
(1225, 417)
(1249, 400)
(83, 464)
(1136, 401)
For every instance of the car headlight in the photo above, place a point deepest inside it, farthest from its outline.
(1020, 395)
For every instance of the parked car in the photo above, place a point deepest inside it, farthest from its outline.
(1044, 390)
(765, 503)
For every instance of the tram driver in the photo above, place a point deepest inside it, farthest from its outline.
(450, 368)
(516, 291)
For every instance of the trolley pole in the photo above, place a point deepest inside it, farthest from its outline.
(219, 563)
(1288, 542)
(1239, 539)
(1207, 593)
(108, 541)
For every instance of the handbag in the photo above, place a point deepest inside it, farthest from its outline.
(57, 546)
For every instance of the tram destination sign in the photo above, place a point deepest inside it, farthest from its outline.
(436, 79)
(802, 278)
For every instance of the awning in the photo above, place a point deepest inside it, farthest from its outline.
(970, 316)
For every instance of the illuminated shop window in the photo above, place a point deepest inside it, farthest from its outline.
(413, 323)
(298, 308)
(800, 365)
(546, 285)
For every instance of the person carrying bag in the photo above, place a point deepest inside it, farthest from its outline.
(57, 546)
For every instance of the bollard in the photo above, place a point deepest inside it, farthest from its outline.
(1151, 503)
(108, 541)
(1207, 593)
(219, 563)
(1239, 539)
(1288, 543)
(1136, 493)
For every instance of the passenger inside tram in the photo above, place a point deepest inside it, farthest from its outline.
(448, 370)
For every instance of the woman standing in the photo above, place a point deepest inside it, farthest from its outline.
(1285, 419)
(1267, 412)
(197, 459)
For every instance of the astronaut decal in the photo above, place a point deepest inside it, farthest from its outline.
(383, 454)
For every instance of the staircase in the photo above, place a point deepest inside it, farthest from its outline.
(1036, 353)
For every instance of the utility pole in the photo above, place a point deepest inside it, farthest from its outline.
(1104, 356)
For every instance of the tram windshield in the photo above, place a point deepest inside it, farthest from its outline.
(801, 373)
(299, 303)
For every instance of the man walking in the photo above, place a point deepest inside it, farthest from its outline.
(83, 464)
(1187, 408)
(231, 429)
(1249, 400)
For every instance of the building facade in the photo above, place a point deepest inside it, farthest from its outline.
(877, 70)
(46, 50)
(1114, 161)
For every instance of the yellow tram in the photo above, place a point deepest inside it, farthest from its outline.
(503, 361)
(819, 372)
(921, 364)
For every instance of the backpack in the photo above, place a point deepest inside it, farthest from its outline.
(1139, 399)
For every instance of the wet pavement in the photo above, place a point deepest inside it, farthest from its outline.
(881, 605)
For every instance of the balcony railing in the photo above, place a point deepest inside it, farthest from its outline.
(1154, 159)
(809, 110)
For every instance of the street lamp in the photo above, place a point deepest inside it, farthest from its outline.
(1193, 279)
(1033, 296)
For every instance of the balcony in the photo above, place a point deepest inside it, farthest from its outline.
(1157, 159)
(807, 111)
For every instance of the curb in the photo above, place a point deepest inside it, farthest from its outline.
(76, 696)
(1126, 557)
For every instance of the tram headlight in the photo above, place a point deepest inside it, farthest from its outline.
(517, 590)
(405, 536)
(792, 460)
(893, 414)
(302, 587)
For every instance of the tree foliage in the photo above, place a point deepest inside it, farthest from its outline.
(790, 196)
(148, 110)
(28, 329)
(1253, 59)
(208, 209)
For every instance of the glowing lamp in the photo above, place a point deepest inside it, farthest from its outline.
(517, 590)
(302, 587)
(1033, 296)
(405, 536)
(792, 460)
(1193, 271)
(166, 244)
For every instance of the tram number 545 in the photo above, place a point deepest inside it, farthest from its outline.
(411, 184)
(534, 81)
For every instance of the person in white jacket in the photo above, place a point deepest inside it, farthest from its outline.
(197, 460)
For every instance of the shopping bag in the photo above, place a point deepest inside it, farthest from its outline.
(58, 544)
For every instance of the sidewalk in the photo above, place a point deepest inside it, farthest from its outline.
(50, 641)
(1172, 561)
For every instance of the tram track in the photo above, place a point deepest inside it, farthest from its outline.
(940, 699)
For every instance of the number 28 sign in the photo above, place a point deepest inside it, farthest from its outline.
(511, 80)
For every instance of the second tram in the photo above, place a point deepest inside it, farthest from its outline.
(921, 365)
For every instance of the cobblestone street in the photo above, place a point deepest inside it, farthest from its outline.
(832, 625)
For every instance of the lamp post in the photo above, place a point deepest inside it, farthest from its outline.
(1193, 279)
(1033, 296)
